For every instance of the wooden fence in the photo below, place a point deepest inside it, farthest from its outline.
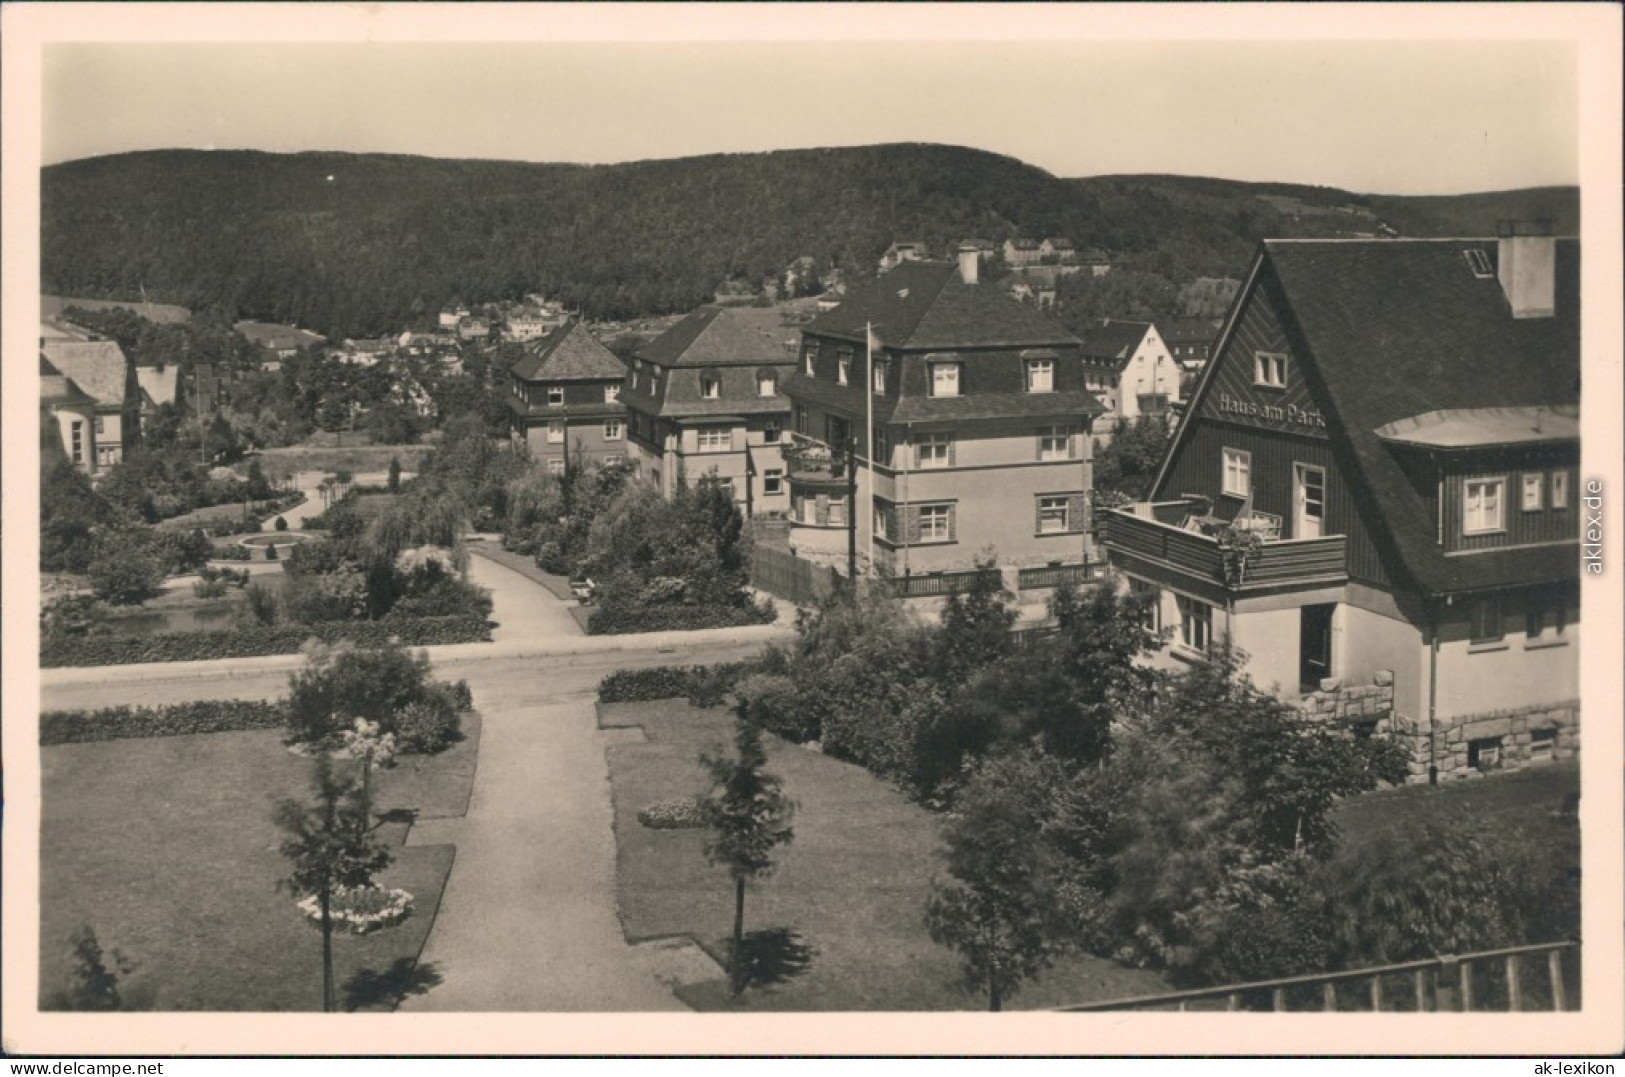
(934, 584)
(784, 575)
(1486, 981)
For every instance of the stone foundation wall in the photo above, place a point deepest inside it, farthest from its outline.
(1467, 746)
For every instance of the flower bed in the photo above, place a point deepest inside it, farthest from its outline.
(680, 814)
(621, 620)
(360, 909)
(253, 641)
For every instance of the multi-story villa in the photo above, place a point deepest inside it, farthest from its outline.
(980, 435)
(706, 398)
(566, 399)
(1376, 484)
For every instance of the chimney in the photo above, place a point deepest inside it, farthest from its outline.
(1526, 265)
(969, 260)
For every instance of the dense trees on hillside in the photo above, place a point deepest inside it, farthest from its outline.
(354, 245)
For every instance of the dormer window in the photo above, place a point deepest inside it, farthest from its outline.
(810, 358)
(1479, 263)
(1269, 369)
(843, 368)
(1040, 375)
(555, 394)
(880, 377)
(944, 379)
(766, 385)
(710, 387)
(1534, 491)
(612, 393)
(1483, 506)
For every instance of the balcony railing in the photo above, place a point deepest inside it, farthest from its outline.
(1045, 576)
(1256, 562)
(1486, 981)
(812, 462)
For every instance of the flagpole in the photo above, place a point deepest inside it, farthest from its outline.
(869, 433)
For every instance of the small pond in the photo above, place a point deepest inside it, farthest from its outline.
(274, 538)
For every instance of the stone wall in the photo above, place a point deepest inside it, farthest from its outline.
(1468, 746)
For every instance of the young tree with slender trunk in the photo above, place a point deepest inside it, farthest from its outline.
(749, 816)
(329, 846)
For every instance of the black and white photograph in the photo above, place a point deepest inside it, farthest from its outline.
(822, 529)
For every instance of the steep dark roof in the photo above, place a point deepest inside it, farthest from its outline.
(97, 366)
(1395, 329)
(277, 337)
(1113, 338)
(569, 353)
(723, 336)
(921, 305)
(1189, 330)
(57, 389)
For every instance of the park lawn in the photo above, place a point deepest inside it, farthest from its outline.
(847, 900)
(166, 848)
(357, 459)
(526, 566)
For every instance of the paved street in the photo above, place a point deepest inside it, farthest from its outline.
(528, 919)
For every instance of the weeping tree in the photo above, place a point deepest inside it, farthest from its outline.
(328, 846)
(749, 816)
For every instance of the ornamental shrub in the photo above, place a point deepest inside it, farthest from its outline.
(702, 686)
(281, 524)
(125, 577)
(771, 701)
(617, 619)
(428, 725)
(253, 640)
(168, 720)
(388, 685)
(680, 814)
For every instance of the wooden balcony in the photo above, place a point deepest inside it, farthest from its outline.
(1139, 532)
(811, 463)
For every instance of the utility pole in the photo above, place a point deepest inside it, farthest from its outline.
(852, 510)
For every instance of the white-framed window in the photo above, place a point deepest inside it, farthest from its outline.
(1534, 490)
(555, 466)
(710, 386)
(837, 512)
(555, 394)
(101, 427)
(555, 433)
(766, 385)
(1238, 473)
(1153, 607)
(614, 430)
(715, 438)
(1483, 505)
(944, 379)
(1487, 624)
(1053, 515)
(843, 367)
(801, 419)
(934, 450)
(634, 379)
(771, 431)
(1096, 381)
(1040, 375)
(76, 440)
(809, 357)
(879, 380)
(883, 523)
(773, 481)
(106, 456)
(1195, 623)
(612, 393)
(1269, 368)
(936, 523)
(1560, 489)
(1055, 443)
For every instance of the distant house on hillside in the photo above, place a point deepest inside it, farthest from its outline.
(1023, 252)
(159, 385)
(1190, 340)
(903, 251)
(565, 398)
(67, 419)
(281, 340)
(101, 370)
(1128, 365)
(473, 329)
(706, 398)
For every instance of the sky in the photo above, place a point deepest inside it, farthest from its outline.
(1415, 115)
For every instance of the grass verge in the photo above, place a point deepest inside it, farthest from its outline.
(167, 849)
(840, 926)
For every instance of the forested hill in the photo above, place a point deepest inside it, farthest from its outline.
(354, 245)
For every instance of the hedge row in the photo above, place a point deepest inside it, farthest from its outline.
(621, 620)
(173, 720)
(703, 686)
(256, 640)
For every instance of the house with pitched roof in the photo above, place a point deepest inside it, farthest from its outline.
(67, 418)
(1376, 489)
(1190, 340)
(903, 251)
(980, 434)
(283, 341)
(1130, 367)
(706, 397)
(160, 385)
(565, 399)
(100, 369)
(1023, 252)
